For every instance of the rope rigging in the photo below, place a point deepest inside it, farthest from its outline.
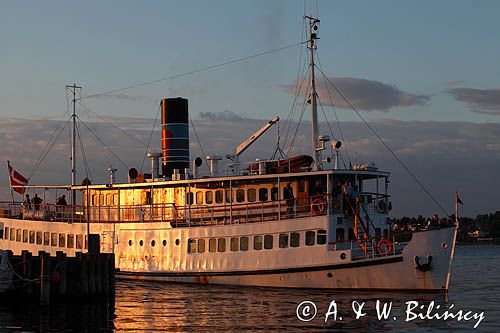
(151, 136)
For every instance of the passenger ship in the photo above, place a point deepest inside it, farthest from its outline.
(283, 223)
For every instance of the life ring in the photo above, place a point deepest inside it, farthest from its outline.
(384, 246)
(318, 206)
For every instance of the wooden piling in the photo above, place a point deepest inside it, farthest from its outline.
(91, 263)
(62, 269)
(98, 274)
(44, 278)
(27, 273)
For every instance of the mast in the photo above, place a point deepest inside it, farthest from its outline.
(72, 90)
(313, 27)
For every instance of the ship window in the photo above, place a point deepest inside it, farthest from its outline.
(339, 235)
(240, 195)
(219, 196)
(18, 235)
(229, 196)
(39, 237)
(164, 242)
(130, 242)
(109, 199)
(13, 234)
(283, 241)
(351, 235)
(339, 220)
(201, 245)
(274, 193)
(221, 245)
(62, 240)
(268, 242)
(310, 235)
(141, 242)
(46, 238)
(199, 198)
(190, 198)
(153, 243)
(244, 243)
(212, 245)
(79, 241)
(25, 236)
(251, 195)
(6, 233)
(177, 242)
(115, 199)
(94, 200)
(263, 194)
(294, 239)
(32, 237)
(257, 242)
(191, 245)
(234, 243)
(70, 241)
(321, 237)
(209, 197)
(101, 199)
(53, 239)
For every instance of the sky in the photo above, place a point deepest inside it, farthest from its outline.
(424, 74)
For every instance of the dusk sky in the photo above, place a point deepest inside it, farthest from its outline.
(426, 74)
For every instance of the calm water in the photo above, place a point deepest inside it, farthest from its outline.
(174, 307)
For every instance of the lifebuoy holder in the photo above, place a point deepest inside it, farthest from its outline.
(318, 206)
(384, 246)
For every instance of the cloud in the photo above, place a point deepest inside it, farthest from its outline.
(485, 101)
(225, 115)
(364, 94)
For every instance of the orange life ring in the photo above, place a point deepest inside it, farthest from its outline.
(318, 206)
(386, 243)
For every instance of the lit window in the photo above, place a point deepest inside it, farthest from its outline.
(263, 194)
(25, 236)
(199, 198)
(201, 245)
(209, 197)
(294, 239)
(244, 243)
(192, 245)
(310, 237)
(18, 235)
(53, 239)
(283, 241)
(321, 237)
(257, 242)
(251, 195)
(13, 234)
(268, 242)
(109, 199)
(234, 243)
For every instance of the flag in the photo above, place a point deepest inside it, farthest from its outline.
(16, 179)
(459, 201)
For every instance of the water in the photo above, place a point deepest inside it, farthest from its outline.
(145, 306)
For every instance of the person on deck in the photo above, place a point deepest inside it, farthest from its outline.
(61, 201)
(27, 202)
(37, 201)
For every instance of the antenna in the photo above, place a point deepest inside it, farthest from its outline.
(72, 89)
(311, 45)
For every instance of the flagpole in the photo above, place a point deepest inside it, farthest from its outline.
(456, 208)
(10, 184)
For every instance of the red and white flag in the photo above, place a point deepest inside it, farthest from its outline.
(16, 179)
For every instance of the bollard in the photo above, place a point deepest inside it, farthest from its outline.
(44, 278)
(62, 269)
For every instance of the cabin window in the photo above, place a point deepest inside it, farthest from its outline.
(251, 195)
(192, 245)
(268, 242)
(240, 195)
(310, 238)
(209, 197)
(257, 242)
(32, 237)
(25, 236)
(212, 245)
(339, 235)
(164, 243)
(39, 237)
(244, 243)
(294, 239)
(351, 235)
(221, 245)
(219, 196)
(229, 196)
(62, 240)
(115, 199)
(109, 199)
(283, 241)
(201, 245)
(53, 239)
(70, 241)
(153, 242)
(274, 193)
(101, 199)
(234, 243)
(263, 194)
(6, 233)
(189, 198)
(13, 234)
(79, 241)
(94, 200)
(18, 235)
(199, 198)
(321, 237)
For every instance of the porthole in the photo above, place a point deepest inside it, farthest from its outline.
(329, 274)
(153, 243)
(343, 256)
(444, 245)
(141, 242)
(130, 243)
(164, 243)
(177, 241)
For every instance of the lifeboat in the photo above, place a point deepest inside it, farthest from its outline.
(293, 164)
